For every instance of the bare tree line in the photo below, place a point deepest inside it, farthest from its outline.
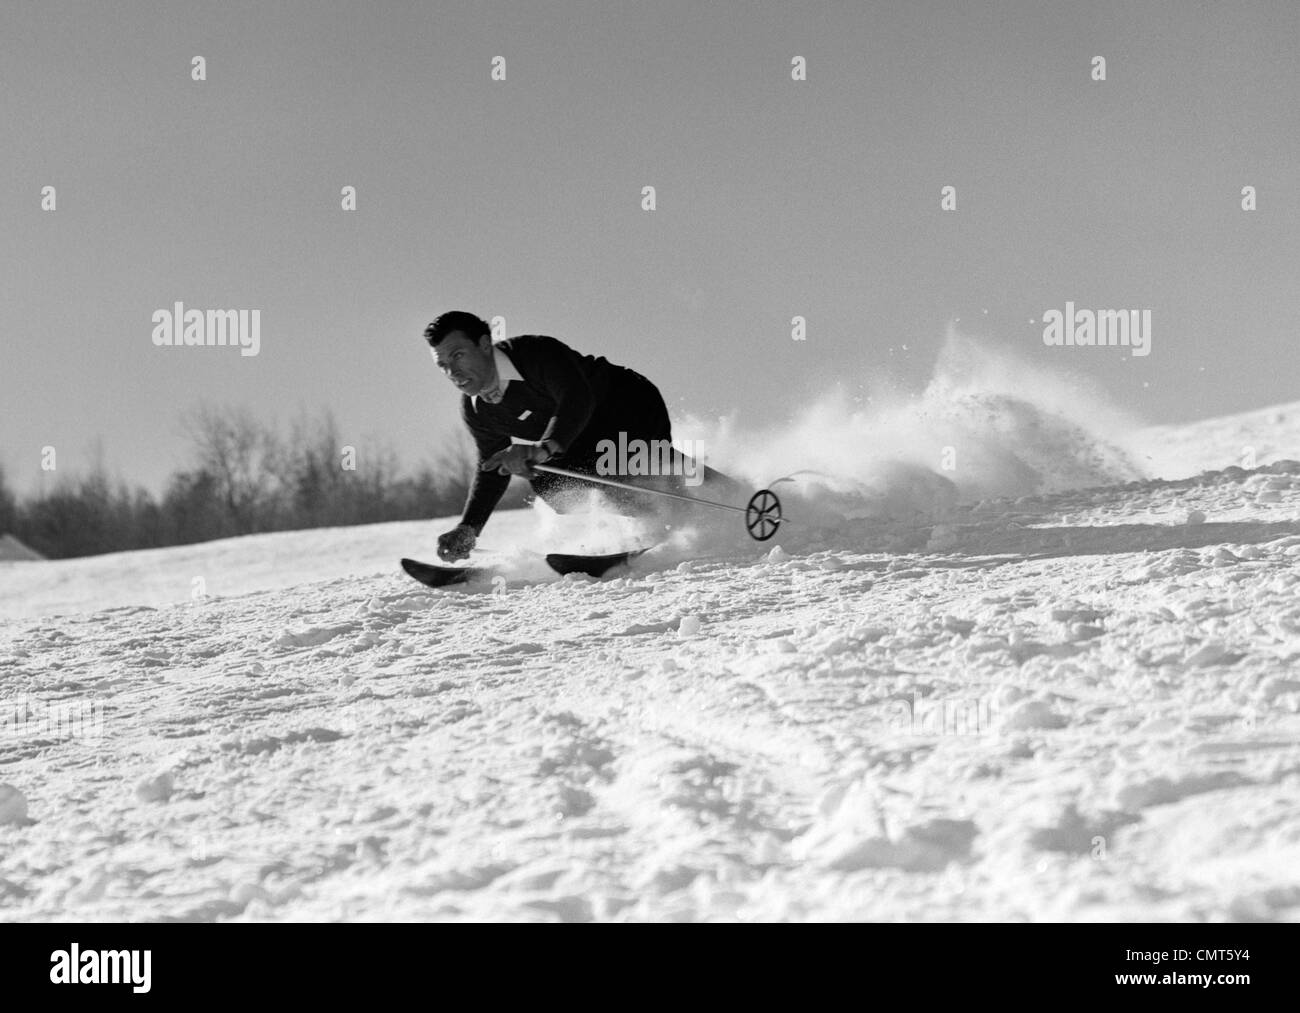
(243, 476)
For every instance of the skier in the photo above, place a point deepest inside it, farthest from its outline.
(562, 402)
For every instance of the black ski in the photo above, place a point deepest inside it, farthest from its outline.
(435, 575)
(592, 566)
(441, 576)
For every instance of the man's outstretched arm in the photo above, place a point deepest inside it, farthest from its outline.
(485, 492)
(485, 488)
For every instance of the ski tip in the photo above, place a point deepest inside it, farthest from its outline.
(439, 576)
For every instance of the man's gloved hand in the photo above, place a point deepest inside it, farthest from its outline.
(517, 459)
(456, 543)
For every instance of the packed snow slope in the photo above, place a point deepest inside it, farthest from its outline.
(1246, 440)
(1082, 705)
(1009, 659)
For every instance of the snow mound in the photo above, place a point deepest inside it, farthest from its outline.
(14, 551)
(1247, 440)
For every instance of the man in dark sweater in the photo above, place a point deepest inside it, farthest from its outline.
(536, 389)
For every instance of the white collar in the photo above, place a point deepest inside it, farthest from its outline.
(506, 372)
(505, 368)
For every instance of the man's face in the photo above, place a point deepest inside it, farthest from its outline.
(466, 363)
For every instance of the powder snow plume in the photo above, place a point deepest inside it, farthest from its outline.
(1002, 427)
(987, 425)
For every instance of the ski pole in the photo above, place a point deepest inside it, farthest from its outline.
(762, 513)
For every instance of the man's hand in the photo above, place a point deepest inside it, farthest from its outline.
(456, 543)
(517, 459)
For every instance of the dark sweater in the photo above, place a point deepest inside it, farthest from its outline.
(560, 390)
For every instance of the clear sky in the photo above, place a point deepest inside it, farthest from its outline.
(523, 198)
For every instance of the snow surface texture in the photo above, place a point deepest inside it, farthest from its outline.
(1063, 704)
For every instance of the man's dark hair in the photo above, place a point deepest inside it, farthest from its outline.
(456, 320)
